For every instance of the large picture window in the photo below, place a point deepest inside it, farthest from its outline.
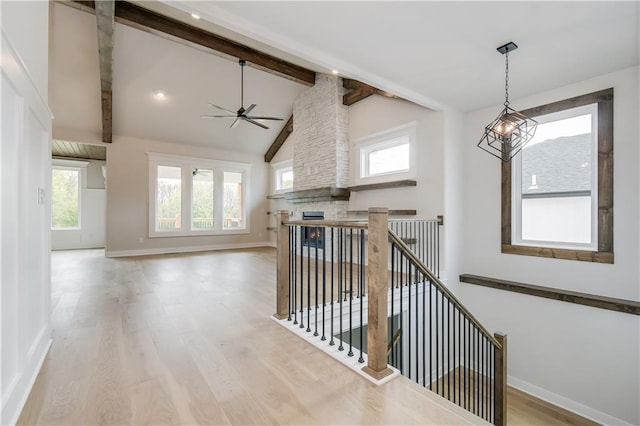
(558, 193)
(193, 196)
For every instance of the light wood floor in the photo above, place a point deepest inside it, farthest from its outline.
(187, 339)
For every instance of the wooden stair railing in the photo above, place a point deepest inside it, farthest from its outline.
(462, 360)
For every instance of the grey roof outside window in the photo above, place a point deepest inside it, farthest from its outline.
(562, 167)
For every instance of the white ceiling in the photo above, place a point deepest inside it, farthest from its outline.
(444, 53)
(435, 53)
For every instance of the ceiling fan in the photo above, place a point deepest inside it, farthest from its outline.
(241, 114)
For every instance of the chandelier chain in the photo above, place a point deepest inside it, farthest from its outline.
(506, 79)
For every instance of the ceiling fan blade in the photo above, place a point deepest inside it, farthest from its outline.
(248, 110)
(255, 122)
(265, 118)
(217, 116)
(223, 109)
(235, 123)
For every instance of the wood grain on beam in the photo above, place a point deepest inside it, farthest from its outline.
(359, 91)
(160, 25)
(107, 120)
(105, 19)
(279, 141)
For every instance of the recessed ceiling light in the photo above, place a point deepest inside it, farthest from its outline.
(195, 16)
(159, 94)
(334, 71)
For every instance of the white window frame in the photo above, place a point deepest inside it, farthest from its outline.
(277, 169)
(389, 138)
(516, 184)
(187, 165)
(81, 168)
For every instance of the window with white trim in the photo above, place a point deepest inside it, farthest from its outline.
(195, 196)
(282, 176)
(387, 156)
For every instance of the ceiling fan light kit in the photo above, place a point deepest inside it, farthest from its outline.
(505, 136)
(242, 114)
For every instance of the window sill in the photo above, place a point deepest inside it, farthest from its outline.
(199, 234)
(559, 253)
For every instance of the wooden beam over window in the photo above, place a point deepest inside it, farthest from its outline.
(279, 141)
(135, 16)
(105, 19)
(358, 91)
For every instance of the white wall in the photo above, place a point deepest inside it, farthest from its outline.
(128, 197)
(25, 203)
(376, 114)
(93, 206)
(583, 358)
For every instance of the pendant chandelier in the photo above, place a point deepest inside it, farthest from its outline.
(505, 136)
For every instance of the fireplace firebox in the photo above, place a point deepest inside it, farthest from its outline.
(313, 236)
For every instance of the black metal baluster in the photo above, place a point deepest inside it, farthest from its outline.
(448, 336)
(391, 357)
(481, 399)
(361, 285)
(315, 333)
(308, 283)
(443, 337)
(430, 336)
(409, 317)
(477, 344)
(401, 310)
(331, 342)
(302, 231)
(324, 281)
(424, 330)
(293, 249)
(415, 284)
(350, 292)
(437, 225)
(459, 356)
(437, 345)
(340, 280)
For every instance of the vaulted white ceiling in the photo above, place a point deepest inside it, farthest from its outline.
(435, 53)
(444, 53)
(144, 64)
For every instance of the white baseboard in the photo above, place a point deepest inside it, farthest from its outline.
(188, 249)
(566, 403)
(16, 397)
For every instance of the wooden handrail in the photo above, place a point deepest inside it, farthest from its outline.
(328, 223)
(441, 286)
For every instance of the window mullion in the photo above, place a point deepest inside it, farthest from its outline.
(186, 198)
(218, 198)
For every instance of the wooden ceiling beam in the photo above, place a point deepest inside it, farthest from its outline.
(105, 19)
(137, 17)
(279, 141)
(359, 91)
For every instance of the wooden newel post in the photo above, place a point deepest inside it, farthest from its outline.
(501, 380)
(377, 284)
(282, 273)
